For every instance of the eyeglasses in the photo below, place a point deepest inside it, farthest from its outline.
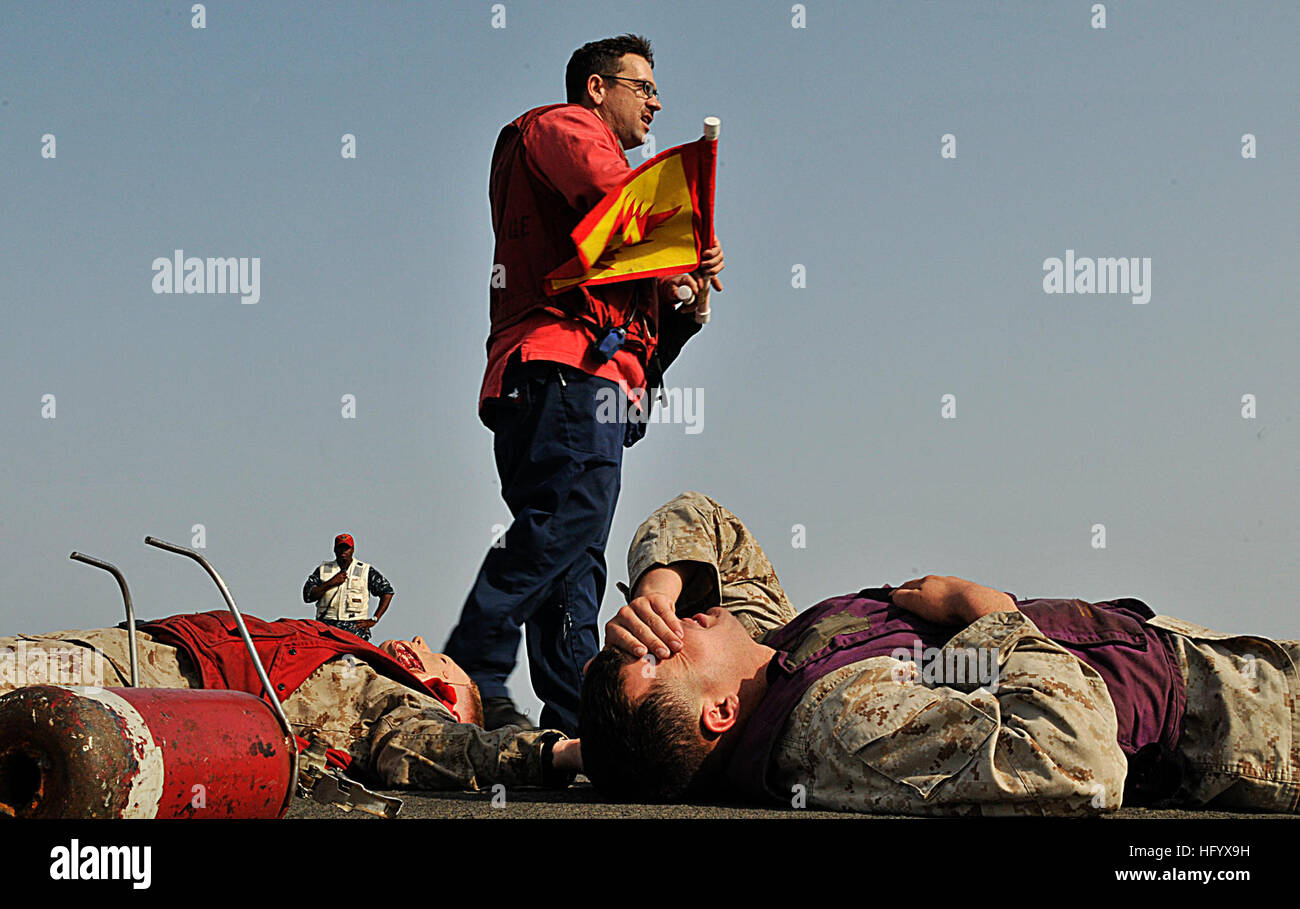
(642, 88)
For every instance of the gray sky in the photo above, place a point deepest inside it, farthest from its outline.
(821, 405)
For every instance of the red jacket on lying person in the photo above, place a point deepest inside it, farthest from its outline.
(290, 650)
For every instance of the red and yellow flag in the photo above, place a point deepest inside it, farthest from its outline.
(651, 224)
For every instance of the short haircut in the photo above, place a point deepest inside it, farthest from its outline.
(601, 57)
(651, 751)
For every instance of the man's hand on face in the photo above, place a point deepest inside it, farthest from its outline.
(950, 601)
(649, 622)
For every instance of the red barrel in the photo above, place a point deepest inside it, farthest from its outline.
(141, 752)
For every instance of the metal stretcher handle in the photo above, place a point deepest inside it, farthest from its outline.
(130, 610)
(248, 642)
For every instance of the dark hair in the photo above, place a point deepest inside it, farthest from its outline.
(650, 751)
(600, 57)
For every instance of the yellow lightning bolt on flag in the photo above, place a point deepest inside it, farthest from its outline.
(643, 228)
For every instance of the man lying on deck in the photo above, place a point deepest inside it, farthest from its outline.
(940, 696)
(407, 716)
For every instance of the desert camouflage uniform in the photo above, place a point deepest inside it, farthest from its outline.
(403, 737)
(1044, 742)
(1240, 730)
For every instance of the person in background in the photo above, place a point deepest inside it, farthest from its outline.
(342, 589)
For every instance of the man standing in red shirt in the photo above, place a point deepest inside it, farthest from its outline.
(551, 362)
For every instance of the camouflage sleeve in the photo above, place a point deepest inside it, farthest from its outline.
(378, 584)
(407, 738)
(312, 580)
(96, 657)
(1038, 737)
(732, 570)
(427, 749)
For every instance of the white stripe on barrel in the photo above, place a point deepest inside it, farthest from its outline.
(147, 784)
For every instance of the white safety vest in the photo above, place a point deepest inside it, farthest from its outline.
(349, 601)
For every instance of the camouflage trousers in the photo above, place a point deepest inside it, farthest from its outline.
(1240, 736)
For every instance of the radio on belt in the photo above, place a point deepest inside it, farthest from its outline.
(612, 343)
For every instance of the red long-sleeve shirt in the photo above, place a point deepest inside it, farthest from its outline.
(550, 167)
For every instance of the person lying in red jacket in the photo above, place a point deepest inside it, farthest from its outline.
(407, 716)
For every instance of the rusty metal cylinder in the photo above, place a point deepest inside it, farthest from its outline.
(69, 752)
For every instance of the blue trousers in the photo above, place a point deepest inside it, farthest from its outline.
(560, 476)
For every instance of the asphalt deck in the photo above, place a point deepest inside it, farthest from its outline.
(581, 801)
